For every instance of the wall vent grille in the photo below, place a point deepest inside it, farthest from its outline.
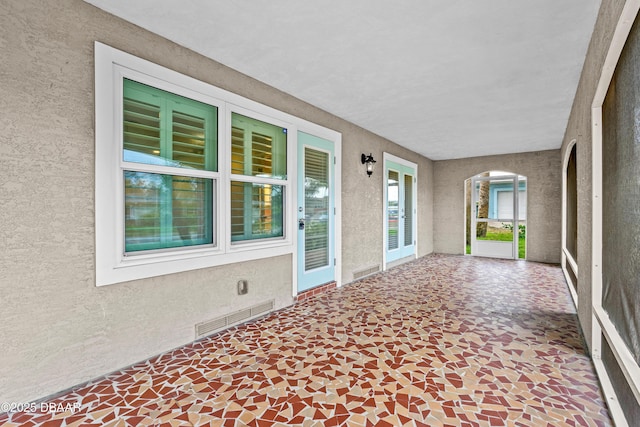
(366, 272)
(206, 328)
(238, 316)
(219, 323)
(262, 308)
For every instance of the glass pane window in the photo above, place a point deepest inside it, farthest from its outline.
(316, 207)
(184, 183)
(258, 148)
(164, 129)
(166, 211)
(256, 211)
(393, 216)
(408, 210)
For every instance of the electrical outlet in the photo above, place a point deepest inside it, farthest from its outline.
(243, 287)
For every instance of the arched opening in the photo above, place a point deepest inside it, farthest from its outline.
(496, 215)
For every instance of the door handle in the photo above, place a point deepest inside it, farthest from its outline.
(301, 224)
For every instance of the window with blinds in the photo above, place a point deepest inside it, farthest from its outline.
(165, 202)
(163, 129)
(316, 200)
(258, 150)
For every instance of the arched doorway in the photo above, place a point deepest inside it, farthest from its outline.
(496, 213)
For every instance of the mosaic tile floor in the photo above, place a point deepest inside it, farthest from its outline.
(442, 341)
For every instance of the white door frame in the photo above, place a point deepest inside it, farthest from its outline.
(325, 273)
(336, 138)
(491, 248)
(385, 232)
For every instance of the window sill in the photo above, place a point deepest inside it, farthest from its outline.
(152, 265)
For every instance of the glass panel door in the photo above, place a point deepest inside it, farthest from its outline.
(399, 210)
(316, 218)
(495, 216)
(316, 209)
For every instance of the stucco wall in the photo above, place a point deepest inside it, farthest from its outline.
(363, 204)
(579, 128)
(56, 328)
(544, 196)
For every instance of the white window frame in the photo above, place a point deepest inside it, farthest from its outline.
(214, 176)
(112, 266)
(249, 243)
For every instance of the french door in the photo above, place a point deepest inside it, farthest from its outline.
(400, 209)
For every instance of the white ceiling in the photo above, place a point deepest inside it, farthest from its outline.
(447, 79)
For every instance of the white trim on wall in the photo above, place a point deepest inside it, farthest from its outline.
(601, 324)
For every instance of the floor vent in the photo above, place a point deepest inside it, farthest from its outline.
(367, 271)
(223, 322)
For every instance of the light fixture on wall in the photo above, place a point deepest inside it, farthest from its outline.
(368, 160)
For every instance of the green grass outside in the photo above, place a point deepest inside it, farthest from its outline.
(504, 235)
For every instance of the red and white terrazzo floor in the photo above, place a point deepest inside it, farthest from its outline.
(441, 341)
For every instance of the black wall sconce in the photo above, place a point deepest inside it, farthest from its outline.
(368, 160)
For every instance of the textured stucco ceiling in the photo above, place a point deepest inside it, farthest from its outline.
(447, 79)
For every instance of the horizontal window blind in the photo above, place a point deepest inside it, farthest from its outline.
(261, 155)
(237, 151)
(161, 128)
(316, 192)
(189, 144)
(238, 204)
(141, 127)
(257, 148)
